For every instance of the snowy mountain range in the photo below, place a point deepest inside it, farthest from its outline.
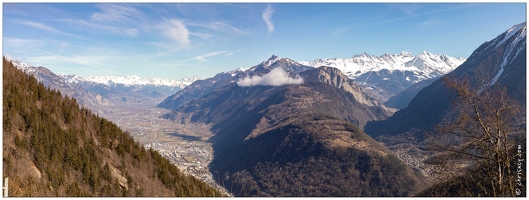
(495, 65)
(387, 75)
(100, 92)
(425, 65)
(130, 80)
(381, 77)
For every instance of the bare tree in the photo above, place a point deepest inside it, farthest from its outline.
(478, 138)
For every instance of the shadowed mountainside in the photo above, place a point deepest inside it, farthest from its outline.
(297, 140)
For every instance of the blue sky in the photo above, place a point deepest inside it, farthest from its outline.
(170, 40)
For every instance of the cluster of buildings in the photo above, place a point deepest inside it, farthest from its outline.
(191, 157)
(417, 163)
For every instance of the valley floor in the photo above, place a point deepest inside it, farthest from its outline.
(186, 146)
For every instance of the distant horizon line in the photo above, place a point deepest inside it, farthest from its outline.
(10, 58)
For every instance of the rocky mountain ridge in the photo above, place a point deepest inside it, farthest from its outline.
(331, 76)
(199, 88)
(263, 134)
(500, 62)
(389, 74)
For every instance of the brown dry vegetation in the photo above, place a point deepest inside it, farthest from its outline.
(484, 138)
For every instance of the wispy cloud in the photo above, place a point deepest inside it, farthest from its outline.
(47, 28)
(432, 22)
(90, 60)
(203, 57)
(267, 17)
(87, 61)
(218, 26)
(39, 26)
(20, 43)
(408, 8)
(180, 31)
(239, 6)
(117, 13)
(176, 30)
(33, 47)
(101, 29)
(207, 55)
(411, 12)
(203, 36)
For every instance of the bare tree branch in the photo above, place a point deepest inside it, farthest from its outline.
(480, 134)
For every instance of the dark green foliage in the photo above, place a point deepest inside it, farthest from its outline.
(72, 148)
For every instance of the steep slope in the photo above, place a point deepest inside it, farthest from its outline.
(389, 74)
(297, 140)
(199, 88)
(334, 77)
(54, 81)
(52, 147)
(358, 107)
(499, 62)
(403, 99)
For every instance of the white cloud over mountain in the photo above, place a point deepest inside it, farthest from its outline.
(276, 77)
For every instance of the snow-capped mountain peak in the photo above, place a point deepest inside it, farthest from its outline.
(271, 60)
(388, 74)
(511, 50)
(519, 30)
(405, 54)
(237, 71)
(26, 68)
(130, 80)
(358, 65)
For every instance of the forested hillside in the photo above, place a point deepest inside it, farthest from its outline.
(297, 140)
(52, 147)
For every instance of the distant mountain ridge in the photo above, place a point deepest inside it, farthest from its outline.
(381, 77)
(54, 81)
(332, 76)
(201, 87)
(426, 65)
(130, 80)
(390, 74)
(96, 92)
(402, 99)
(499, 62)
